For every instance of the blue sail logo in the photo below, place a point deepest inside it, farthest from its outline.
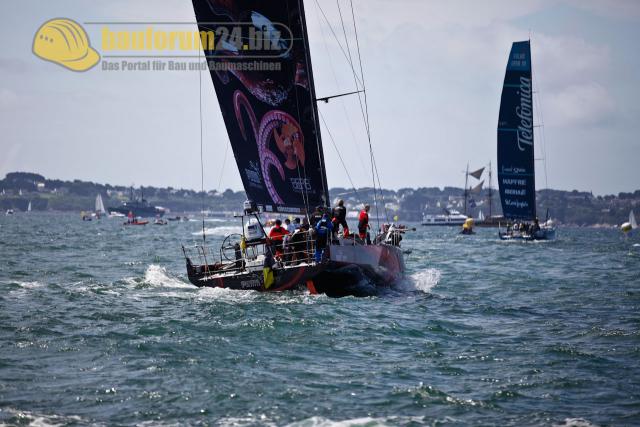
(525, 112)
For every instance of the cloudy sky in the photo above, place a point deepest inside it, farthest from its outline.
(433, 71)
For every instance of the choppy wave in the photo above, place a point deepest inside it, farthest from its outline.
(422, 281)
(156, 275)
(219, 231)
(208, 220)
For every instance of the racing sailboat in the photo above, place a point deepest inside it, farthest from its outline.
(516, 168)
(264, 84)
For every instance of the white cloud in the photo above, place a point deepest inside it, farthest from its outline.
(618, 9)
(561, 61)
(587, 104)
(8, 98)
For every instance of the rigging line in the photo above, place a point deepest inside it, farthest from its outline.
(350, 61)
(224, 162)
(342, 104)
(337, 40)
(366, 110)
(340, 156)
(543, 145)
(314, 109)
(538, 101)
(201, 148)
(314, 106)
(384, 204)
(362, 109)
(544, 139)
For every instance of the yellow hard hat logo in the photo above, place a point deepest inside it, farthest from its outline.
(65, 42)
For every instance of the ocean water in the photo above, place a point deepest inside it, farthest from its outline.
(99, 326)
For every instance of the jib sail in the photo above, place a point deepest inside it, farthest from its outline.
(259, 59)
(516, 172)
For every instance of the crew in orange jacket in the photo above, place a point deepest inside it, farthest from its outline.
(276, 235)
(363, 224)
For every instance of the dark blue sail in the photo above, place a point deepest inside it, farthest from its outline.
(516, 171)
(260, 64)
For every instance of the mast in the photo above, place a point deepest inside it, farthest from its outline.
(314, 105)
(490, 191)
(466, 184)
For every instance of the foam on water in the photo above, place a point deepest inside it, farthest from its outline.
(423, 280)
(575, 422)
(362, 422)
(219, 231)
(41, 420)
(30, 285)
(156, 275)
(229, 296)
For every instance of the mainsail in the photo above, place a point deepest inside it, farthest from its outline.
(516, 172)
(261, 70)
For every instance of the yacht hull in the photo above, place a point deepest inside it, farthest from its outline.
(347, 270)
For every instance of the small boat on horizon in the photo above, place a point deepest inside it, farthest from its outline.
(449, 217)
(139, 207)
(134, 220)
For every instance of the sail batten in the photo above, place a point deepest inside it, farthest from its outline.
(516, 170)
(264, 84)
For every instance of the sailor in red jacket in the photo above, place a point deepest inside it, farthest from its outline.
(363, 224)
(276, 235)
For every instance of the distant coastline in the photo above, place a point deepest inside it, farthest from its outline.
(578, 208)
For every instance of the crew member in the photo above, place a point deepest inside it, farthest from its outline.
(298, 243)
(324, 228)
(340, 219)
(363, 224)
(289, 226)
(267, 268)
(316, 216)
(276, 235)
(536, 226)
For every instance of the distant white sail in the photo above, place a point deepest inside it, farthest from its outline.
(632, 220)
(29, 207)
(99, 205)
